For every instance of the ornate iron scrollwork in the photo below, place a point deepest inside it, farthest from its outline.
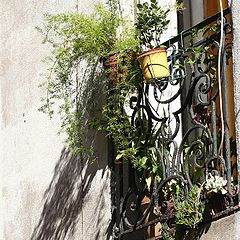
(181, 113)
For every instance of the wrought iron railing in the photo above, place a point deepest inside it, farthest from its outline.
(184, 110)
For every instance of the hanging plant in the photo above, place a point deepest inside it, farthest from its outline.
(74, 77)
(118, 63)
(116, 120)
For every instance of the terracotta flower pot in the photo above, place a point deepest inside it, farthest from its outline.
(152, 231)
(153, 64)
(117, 65)
(217, 202)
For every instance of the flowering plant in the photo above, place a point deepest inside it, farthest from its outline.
(215, 184)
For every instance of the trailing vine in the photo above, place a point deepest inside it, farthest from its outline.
(78, 42)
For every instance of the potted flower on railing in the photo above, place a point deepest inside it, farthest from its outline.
(151, 22)
(215, 188)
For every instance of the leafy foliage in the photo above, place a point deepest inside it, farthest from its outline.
(126, 37)
(78, 34)
(189, 211)
(78, 41)
(152, 21)
(117, 122)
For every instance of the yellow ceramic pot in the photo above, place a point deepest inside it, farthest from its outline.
(153, 64)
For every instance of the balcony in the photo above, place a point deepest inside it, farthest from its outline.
(186, 123)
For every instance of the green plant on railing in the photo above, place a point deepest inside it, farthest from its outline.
(152, 20)
(146, 158)
(147, 161)
(78, 42)
(190, 208)
(116, 121)
(203, 55)
(118, 125)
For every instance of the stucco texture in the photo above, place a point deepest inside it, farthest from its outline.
(46, 192)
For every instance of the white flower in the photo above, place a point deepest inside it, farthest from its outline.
(215, 184)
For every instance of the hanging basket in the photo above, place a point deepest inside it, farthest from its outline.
(117, 65)
(153, 64)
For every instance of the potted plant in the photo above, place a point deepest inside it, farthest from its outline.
(190, 210)
(151, 22)
(215, 188)
(78, 42)
(117, 64)
(75, 39)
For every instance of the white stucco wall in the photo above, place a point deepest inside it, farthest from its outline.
(32, 154)
(35, 168)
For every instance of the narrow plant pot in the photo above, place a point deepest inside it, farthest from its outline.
(154, 230)
(217, 202)
(111, 67)
(117, 65)
(153, 64)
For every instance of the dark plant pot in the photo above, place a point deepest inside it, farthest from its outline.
(216, 202)
(185, 233)
(168, 206)
(155, 231)
(117, 65)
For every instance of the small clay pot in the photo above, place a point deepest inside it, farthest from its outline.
(117, 65)
(216, 202)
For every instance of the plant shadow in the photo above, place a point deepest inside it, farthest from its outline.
(70, 207)
(65, 198)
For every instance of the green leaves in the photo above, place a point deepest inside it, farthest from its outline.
(79, 40)
(189, 211)
(86, 35)
(152, 21)
(117, 123)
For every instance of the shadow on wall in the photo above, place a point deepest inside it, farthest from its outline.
(64, 198)
(67, 198)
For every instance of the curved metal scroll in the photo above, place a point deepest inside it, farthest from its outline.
(181, 111)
